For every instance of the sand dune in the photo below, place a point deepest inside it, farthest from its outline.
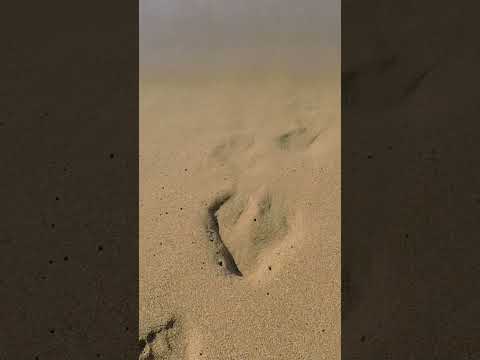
(240, 216)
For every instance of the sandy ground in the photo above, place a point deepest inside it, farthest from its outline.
(240, 214)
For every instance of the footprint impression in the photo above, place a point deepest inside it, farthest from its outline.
(160, 343)
(244, 229)
(296, 140)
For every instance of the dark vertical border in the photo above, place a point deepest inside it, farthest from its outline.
(410, 180)
(69, 170)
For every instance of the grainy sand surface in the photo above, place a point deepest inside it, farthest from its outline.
(240, 210)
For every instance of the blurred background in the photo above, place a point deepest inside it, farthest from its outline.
(210, 33)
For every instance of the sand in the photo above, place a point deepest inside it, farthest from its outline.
(240, 214)
(239, 180)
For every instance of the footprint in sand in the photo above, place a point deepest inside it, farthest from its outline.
(160, 343)
(296, 140)
(235, 144)
(248, 228)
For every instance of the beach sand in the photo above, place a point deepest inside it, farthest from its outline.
(239, 180)
(240, 214)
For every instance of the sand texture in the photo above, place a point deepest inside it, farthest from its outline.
(240, 215)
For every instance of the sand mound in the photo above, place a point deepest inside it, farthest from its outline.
(249, 226)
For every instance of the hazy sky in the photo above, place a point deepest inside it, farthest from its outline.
(178, 30)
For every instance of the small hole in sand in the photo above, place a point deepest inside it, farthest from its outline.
(220, 263)
(269, 268)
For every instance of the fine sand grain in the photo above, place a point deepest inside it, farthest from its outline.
(240, 214)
